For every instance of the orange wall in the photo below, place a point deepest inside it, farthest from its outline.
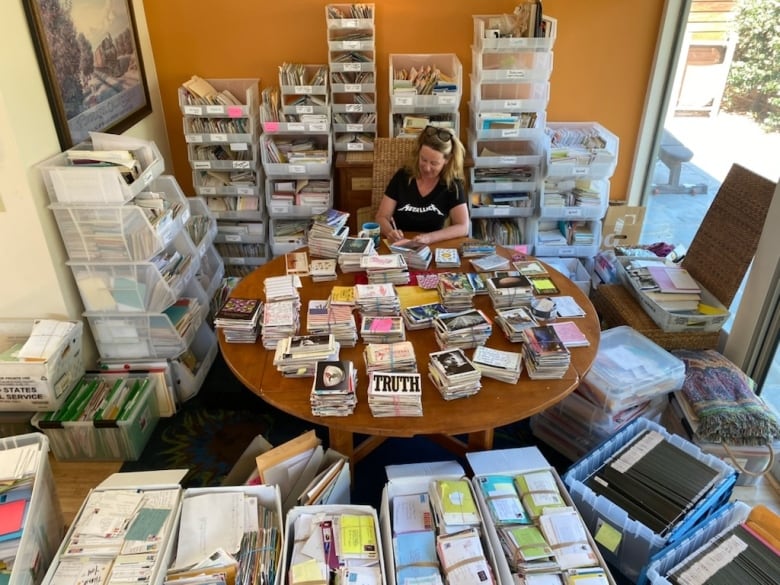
(602, 56)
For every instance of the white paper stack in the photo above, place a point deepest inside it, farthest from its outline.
(505, 366)
(395, 394)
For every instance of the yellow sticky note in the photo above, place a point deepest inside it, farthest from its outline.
(710, 310)
(608, 537)
(358, 536)
(310, 571)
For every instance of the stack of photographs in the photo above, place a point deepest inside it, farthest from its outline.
(453, 374)
(386, 357)
(385, 268)
(382, 329)
(333, 390)
(352, 250)
(421, 316)
(297, 356)
(509, 290)
(546, 357)
(323, 317)
(505, 366)
(514, 321)
(466, 329)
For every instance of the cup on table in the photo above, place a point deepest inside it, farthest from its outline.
(371, 230)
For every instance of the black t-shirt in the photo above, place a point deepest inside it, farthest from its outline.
(415, 213)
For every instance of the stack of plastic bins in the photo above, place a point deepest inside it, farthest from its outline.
(507, 116)
(202, 229)
(294, 153)
(575, 194)
(432, 99)
(352, 64)
(222, 142)
(630, 377)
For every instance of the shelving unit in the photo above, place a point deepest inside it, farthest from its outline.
(222, 145)
(296, 153)
(433, 97)
(507, 118)
(352, 64)
(137, 270)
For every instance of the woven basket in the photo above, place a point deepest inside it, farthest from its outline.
(390, 154)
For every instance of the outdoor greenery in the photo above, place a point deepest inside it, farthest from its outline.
(753, 85)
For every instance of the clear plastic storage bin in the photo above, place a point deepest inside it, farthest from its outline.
(298, 205)
(486, 39)
(202, 225)
(280, 165)
(582, 149)
(244, 90)
(231, 156)
(509, 97)
(188, 378)
(501, 125)
(70, 184)
(518, 65)
(219, 130)
(444, 100)
(510, 152)
(246, 183)
(566, 203)
(576, 238)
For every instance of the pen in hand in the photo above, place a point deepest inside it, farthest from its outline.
(392, 225)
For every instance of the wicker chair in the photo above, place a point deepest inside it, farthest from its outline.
(389, 155)
(718, 258)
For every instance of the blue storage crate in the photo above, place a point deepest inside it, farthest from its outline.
(723, 519)
(628, 545)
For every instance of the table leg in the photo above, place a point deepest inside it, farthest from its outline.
(481, 440)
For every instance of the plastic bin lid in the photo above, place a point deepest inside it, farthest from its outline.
(629, 365)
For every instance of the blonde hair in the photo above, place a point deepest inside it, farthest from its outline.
(452, 148)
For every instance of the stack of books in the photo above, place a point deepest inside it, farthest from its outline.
(421, 316)
(297, 356)
(377, 299)
(457, 289)
(382, 329)
(351, 252)
(466, 329)
(505, 366)
(490, 263)
(323, 317)
(418, 255)
(395, 394)
(385, 268)
(239, 319)
(333, 390)
(280, 320)
(509, 291)
(453, 374)
(322, 269)
(385, 357)
(327, 233)
(447, 258)
(514, 321)
(545, 355)
(474, 248)
(282, 288)
(673, 288)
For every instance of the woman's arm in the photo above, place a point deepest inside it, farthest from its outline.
(458, 228)
(384, 217)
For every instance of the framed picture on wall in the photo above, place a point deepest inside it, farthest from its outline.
(91, 65)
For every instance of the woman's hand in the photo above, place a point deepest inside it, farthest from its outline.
(426, 239)
(395, 235)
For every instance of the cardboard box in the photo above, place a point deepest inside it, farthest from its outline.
(622, 226)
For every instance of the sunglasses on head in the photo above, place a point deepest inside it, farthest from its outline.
(441, 133)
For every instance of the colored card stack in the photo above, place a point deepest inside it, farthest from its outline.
(509, 291)
(377, 299)
(457, 289)
(497, 364)
(333, 390)
(351, 252)
(447, 258)
(514, 321)
(386, 357)
(490, 263)
(239, 319)
(418, 256)
(382, 329)
(395, 394)
(385, 268)
(322, 269)
(327, 233)
(323, 317)
(474, 248)
(453, 374)
(466, 329)
(282, 288)
(280, 320)
(546, 357)
(297, 356)
(421, 316)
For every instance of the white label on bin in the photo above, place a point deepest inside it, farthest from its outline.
(403, 100)
(245, 190)
(501, 211)
(280, 208)
(354, 108)
(351, 66)
(318, 127)
(304, 109)
(502, 186)
(351, 45)
(240, 164)
(218, 138)
(508, 160)
(710, 563)
(566, 251)
(147, 178)
(445, 99)
(238, 260)
(293, 127)
(349, 23)
(201, 164)
(232, 238)
(319, 209)
(353, 87)
(239, 146)
(194, 138)
(354, 146)
(354, 127)
(580, 171)
(296, 168)
(509, 133)
(207, 190)
(515, 74)
(512, 104)
(193, 110)
(637, 451)
(302, 89)
(572, 212)
(215, 109)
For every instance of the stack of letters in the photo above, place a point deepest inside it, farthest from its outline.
(377, 299)
(386, 357)
(546, 357)
(418, 256)
(333, 390)
(466, 329)
(325, 317)
(509, 291)
(514, 321)
(351, 252)
(385, 268)
(395, 394)
(322, 269)
(282, 288)
(453, 374)
(497, 364)
(382, 329)
(297, 356)
(280, 320)
(447, 258)
(239, 319)
(457, 289)
(414, 540)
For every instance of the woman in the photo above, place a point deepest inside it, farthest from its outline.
(427, 191)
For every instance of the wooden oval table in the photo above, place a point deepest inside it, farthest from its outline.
(496, 404)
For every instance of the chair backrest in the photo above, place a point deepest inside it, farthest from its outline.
(389, 155)
(726, 241)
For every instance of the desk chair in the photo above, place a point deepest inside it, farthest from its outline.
(718, 258)
(389, 155)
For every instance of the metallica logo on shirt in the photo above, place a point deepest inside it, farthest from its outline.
(414, 209)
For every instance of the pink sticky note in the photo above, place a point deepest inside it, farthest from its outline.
(271, 126)
(11, 516)
(234, 111)
(382, 325)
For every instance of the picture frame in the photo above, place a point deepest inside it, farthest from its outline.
(91, 65)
